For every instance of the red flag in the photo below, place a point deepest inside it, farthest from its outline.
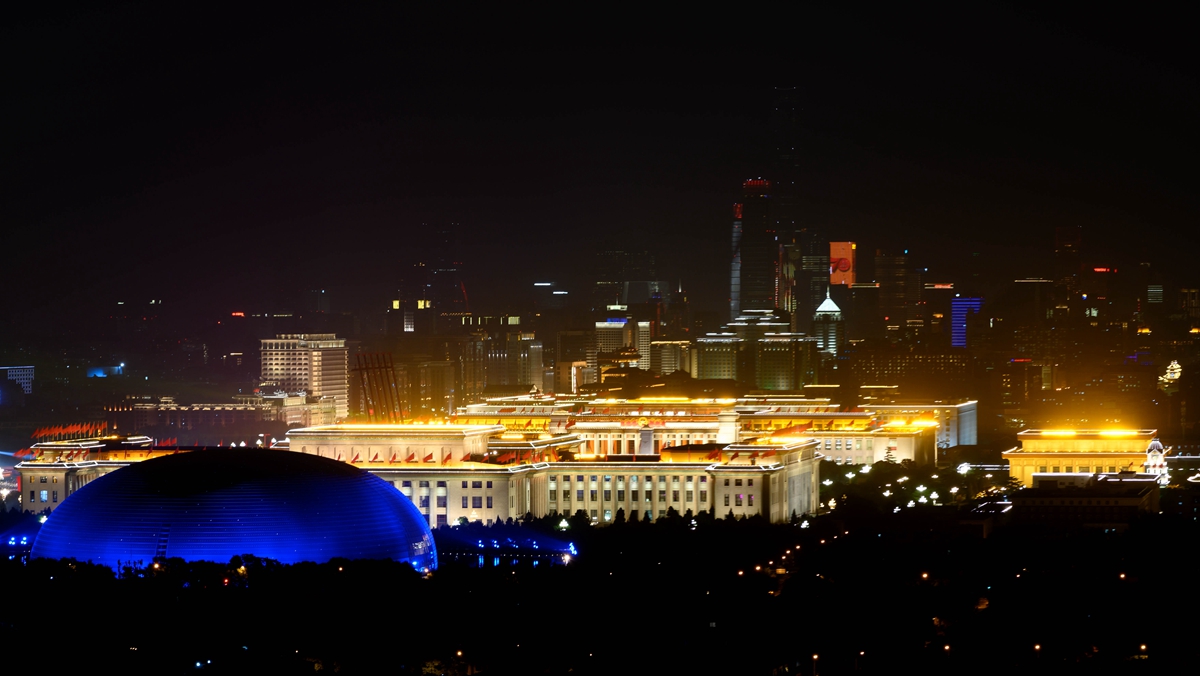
(411, 457)
(429, 458)
(446, 460)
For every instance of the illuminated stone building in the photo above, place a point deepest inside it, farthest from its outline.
(59, 468)
(480, 472)
(957, 420)
(315, 363)
(541, 454)
(1070, 451)
(443, 470)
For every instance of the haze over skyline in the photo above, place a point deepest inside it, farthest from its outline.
(218, 161)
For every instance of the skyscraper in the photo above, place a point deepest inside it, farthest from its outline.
(960, 308)
(314, 363)
(899, 291)
(805, 261)
(829, 328)
(754, 268)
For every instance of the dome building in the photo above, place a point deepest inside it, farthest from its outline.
(214, 504)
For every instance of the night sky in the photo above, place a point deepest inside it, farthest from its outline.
(226, 158)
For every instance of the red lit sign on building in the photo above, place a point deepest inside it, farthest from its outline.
(238, 314)
(842, 262)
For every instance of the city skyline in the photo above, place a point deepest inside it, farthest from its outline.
(237, 155)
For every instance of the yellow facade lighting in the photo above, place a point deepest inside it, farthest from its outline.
(1058, 433)
(1118, 433)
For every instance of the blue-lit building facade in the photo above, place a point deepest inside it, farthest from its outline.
(962, 307)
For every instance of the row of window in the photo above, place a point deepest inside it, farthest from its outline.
(442, 484)
(739, 499)
(1082, 469)
(46, 496)
(634, 495)
(633, 479)
(473, 502)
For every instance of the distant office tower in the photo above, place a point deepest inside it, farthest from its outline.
(514, 360)
(805, 261)
(467, 352)
(315, 363)
(829, 328)
(433, 287)
(432, 389)
(1189, 301)
(547, 296)
(754, 268)
(615, 267)
(784, 362)
(318, 301)
(899, 289)
(717, 357)
(617, 333)
(961, 308)
(609, 336)
(785, 138)
(21, 375)
(843, 263)
(1068, 245)
(669, 356)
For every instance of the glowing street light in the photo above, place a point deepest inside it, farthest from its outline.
(921, 489)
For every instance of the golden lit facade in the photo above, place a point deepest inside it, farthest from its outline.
(58, 468)
(1078, 451)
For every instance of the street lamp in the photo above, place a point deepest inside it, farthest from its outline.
(814, 664)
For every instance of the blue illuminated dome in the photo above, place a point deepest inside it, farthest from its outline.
(212, 505)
